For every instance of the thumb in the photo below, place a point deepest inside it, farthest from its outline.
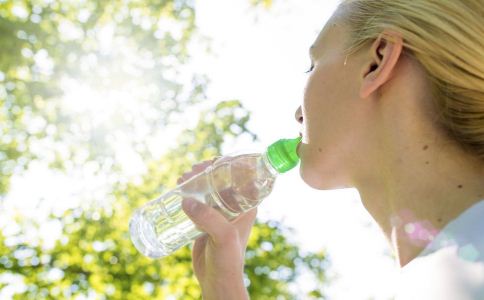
(208, 219)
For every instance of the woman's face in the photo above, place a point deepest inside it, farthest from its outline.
(331, 114)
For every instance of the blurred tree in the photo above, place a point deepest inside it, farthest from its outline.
(79, 79)
(94, 257)
(96, 49)
(264, 3)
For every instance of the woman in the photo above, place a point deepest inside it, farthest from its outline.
(394, 106)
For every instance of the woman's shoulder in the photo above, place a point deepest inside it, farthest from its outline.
(452, 265)
(443, 274)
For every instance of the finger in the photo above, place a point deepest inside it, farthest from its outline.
(182, 179)
(209, 220)
(202, 166)
(246, 219)
(196, 169)
(244, 224)
(185, 177)
(221, 159)
(198, 251)
(199, 245)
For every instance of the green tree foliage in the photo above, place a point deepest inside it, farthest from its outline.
(264, 3)
(136, 49)
(94, 255)
(122, 46)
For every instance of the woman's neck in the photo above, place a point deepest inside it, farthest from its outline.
(416, 191)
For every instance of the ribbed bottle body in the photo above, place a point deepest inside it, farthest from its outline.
(231, 186)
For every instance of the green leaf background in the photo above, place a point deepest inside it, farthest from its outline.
(93, 257)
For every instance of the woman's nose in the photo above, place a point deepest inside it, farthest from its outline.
(298, 115)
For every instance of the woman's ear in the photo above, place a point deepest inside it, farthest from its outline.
(383, 57)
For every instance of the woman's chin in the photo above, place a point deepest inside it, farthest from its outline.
(319, 181)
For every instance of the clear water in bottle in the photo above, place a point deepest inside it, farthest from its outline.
(231, 186)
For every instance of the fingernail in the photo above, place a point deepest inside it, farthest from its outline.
(191, 205)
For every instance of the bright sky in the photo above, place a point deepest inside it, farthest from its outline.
(262, 63)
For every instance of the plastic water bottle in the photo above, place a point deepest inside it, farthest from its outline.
(232, 185)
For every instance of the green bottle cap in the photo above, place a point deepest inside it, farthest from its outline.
(282, 154)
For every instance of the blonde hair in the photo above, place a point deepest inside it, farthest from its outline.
(447, 39)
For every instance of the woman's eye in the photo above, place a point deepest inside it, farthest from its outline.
(310, 69)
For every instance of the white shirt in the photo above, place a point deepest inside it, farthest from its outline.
(451, 267)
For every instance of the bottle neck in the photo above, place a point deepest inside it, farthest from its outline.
(268, 165)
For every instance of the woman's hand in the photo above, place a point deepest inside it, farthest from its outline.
(218, 257)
